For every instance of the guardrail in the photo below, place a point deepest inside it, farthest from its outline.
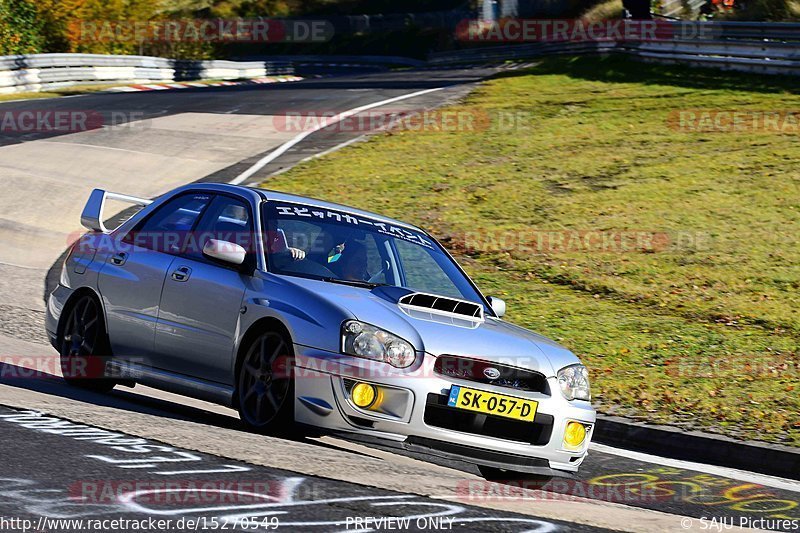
(51, 71)
(768, 31)
(765, 48)
(343, 60)
(755, 56)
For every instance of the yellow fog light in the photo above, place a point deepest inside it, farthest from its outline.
(575, 434)
(363, 395)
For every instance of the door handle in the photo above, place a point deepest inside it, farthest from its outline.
(119, 259)
(182, 273)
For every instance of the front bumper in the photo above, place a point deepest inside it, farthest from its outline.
(416, 416)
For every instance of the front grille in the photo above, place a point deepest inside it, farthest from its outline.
(473, 370)
(439, 414)
(478, 454)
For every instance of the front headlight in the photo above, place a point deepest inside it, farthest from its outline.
(574, 382)
(369, 342)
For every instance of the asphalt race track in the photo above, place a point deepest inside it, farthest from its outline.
(57, 469)
(93, 478)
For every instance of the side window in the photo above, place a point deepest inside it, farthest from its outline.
(284, 235)
(297, 234)
(226, 219)
(168, 228)
(422, 271)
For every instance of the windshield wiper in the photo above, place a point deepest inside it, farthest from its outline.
(354, 282)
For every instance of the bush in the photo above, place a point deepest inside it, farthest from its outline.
(20, 28)
(766, 11)
(609, 10)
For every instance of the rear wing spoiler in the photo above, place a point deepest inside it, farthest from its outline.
(92, 216)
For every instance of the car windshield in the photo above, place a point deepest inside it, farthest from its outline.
(340, 247)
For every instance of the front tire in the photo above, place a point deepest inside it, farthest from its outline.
(84, 347)
(266, 385)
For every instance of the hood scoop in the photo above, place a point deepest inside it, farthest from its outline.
(420, 303)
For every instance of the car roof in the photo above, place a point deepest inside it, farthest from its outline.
(277, 196)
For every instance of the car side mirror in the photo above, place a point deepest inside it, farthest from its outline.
(498, 306)
(228, 252)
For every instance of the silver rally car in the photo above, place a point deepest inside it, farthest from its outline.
(306, 314)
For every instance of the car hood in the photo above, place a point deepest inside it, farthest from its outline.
(490, 339)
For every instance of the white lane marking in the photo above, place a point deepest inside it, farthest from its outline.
(282, 149)
(225, 469)
(732, 473)
(322, 154)
(5, 263)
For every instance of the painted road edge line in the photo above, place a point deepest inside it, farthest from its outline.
(722, 471)
(694, 445)
(282, 149)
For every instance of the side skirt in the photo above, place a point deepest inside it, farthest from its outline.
(170, 382)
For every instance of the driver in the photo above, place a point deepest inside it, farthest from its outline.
(353, 262)
(277, 243)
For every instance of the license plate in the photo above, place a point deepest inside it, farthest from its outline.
(492, 404)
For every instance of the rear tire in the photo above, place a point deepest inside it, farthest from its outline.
(265, 391)
(84, 346)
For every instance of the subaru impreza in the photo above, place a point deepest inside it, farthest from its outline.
(307, 314)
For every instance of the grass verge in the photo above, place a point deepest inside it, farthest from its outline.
(667, 259)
